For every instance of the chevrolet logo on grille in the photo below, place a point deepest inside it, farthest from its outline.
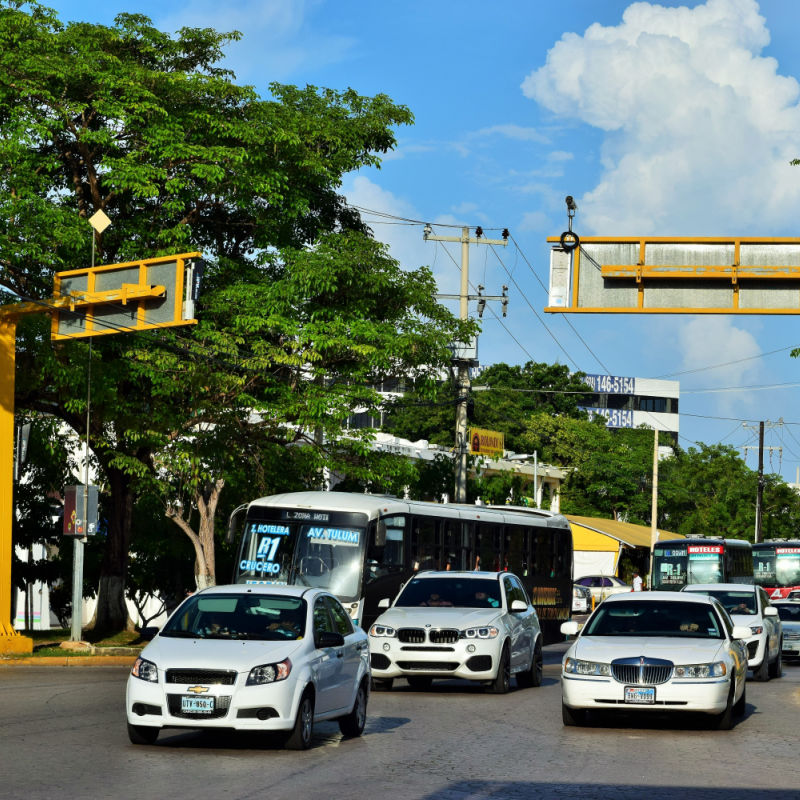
(197, 689)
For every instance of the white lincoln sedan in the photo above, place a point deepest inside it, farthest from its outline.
(656, 651)
(260, 657)
(479, 626)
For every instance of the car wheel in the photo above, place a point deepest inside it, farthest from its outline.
(776, 667)
(724, 721)
(142, 734)
(382, 684)
(353, 723)
(300, 737)
(740, 705)
(533, 677)
(761, 672)
(502, 680)
(419, 683)
(572, 717)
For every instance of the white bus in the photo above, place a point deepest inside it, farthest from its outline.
(363, 547)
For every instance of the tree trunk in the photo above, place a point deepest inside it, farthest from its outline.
(112, 611)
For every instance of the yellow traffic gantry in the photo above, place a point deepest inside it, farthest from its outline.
(94, 301)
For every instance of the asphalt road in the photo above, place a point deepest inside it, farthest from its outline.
(62, 735)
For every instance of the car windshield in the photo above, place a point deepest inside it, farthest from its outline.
(741, 602)
(653, 618)
(789, 613)
(238, 616)
(455, 592)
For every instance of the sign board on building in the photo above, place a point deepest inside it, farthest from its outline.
(486, 443)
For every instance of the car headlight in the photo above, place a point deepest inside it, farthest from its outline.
(756, 629)
(716, 670)
(269, 673)
(146, 670)
(482, 632)
(382, 630)
(575, 666)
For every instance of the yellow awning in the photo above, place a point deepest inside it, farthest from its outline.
(606, 535)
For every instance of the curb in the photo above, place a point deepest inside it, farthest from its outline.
(69, 661)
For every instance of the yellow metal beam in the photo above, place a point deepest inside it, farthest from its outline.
(10, 640)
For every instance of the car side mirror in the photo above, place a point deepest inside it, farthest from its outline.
(770, 611)
(518, 606)
(572, 627)
(329, 639)
(384, 603)
(741, 632)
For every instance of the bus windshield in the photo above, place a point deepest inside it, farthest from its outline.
(320, 549)
(777, 566)
(678, 566)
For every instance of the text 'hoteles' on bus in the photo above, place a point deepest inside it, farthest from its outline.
(362, 547)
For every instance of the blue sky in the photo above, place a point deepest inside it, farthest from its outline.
(660, 119)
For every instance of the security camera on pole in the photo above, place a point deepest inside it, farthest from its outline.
(461, 358)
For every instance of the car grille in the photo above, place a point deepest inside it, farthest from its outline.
(752, 649)
(221, 707)
(649, 671)
(435, 636)
(428, 666)
(205, 676)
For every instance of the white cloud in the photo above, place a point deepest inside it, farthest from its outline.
(715, 340)
(405, 242)
(511, 131)
(699, 126)
(276, 42)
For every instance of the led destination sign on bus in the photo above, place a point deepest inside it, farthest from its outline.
(334, 535)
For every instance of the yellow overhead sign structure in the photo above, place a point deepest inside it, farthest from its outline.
(675, 275)
(486, 443)
(115, 298)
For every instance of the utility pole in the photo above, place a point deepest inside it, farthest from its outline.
(654, 506)
(760, 489)
(461, 359)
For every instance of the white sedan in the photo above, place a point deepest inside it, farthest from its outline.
(749, 605)
(479, 626)
(602, 586)
(252, 657)
(656, 651)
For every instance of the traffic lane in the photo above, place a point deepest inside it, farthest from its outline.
(453, 741)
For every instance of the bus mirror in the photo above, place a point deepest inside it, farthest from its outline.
(380, 534)
(570, 628)
(233, 523)
(384, 603)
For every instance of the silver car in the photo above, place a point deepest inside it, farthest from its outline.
(789, 612)
(478, 626)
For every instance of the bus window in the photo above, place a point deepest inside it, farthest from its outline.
(386, 551)
(705, 566)
(669, 568)
(516, 549)
(488, 543)
(454, 544)
(330, 557)
(425, 545)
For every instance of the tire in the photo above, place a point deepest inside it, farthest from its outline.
(761, 672)
(382, 684)
(142, 734)
(419, 683)
(724, 721)
(533, 677)
(300, 737)
(572, 717)
(740, 705)
(502, 680)
(776, 667)
(353, 724)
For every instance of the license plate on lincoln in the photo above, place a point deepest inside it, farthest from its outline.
(640, 695)
(197, 705)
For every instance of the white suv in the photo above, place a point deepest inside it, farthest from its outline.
(750, 606)
(479, 626)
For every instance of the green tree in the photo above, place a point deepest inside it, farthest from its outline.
(145, 127)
